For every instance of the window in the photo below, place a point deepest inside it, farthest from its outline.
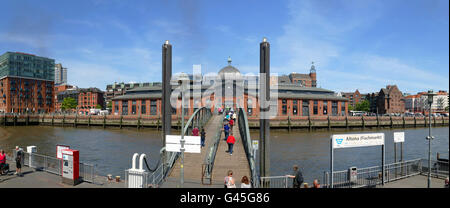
(143, 107)
(316, 107)
(343, 108)
(325, 107)
(152, 107)
(334, 108)
(284, 106)
(125, 107)
(294, 107)
(305, 108)
(249, 107)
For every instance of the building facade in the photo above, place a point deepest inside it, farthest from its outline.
(90, 98)
(60, 74)
(293, 99)
(390, 100)
(26, 83)
(353, 97)
(117, 89)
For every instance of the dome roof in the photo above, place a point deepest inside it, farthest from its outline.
(229, 70)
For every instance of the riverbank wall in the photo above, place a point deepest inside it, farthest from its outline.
(281, 122)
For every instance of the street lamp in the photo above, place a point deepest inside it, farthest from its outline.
(429, 137)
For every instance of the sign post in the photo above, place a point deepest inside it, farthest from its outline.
(356, 140)
(399, 137)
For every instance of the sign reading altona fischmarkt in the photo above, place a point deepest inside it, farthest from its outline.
(357, 140)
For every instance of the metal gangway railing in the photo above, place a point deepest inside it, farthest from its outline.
(247, 142)
(155, 179)
(87, 172)
(208, 165)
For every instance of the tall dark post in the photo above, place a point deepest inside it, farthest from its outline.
(166, 90)
(264, 88)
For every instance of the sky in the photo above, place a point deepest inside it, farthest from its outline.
(360, 44)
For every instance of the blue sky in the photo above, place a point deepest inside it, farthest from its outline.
(359, 44)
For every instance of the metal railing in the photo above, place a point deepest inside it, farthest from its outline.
(372, 176)
(54, 165)
(199, 118)
(208, 165)
(276, 182)
(247, 142)
(439, 169)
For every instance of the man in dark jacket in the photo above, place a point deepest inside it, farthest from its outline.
(297, 177)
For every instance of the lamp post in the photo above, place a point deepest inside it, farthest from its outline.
(182, 82)
(429, 137)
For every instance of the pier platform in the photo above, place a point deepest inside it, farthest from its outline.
(40, 179)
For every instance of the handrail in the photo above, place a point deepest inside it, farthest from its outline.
(245, 136)
(202, 115)
(208, 165)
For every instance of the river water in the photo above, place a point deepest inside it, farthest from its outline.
(111, 149)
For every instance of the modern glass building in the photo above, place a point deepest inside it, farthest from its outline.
(27, 65)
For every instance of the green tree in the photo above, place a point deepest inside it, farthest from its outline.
(69, 103)
(109, 105)
(363, 106)
(350, 107)
(98, 106)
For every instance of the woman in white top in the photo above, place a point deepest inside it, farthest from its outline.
(229, 181)
(245, 183)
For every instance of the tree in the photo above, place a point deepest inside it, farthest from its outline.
(363, 106)
(350, 108)
(69, 103)
(98, 106)
(109, 105)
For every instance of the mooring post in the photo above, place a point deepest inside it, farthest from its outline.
(89, 121)
(64, 120)
(363, 124)
(289, 124)
(121, 117)
(415, 121)
(346, 121)
(378, 121)
(392, 123)
(53, 119)
(329, 123)
(75, 122)
(404, 122)
(104, 121)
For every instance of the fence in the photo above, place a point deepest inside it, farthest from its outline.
(439, 168)
(275, 182)
(54, 165)
(248, 147)
(371, 176)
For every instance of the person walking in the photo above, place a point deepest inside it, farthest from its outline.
(19, 159)
(245, 183)
(297, 177)
(226, 130)
(195, 131)
(234, 117)
(230, 141)
(203, 137)
(231, 124)
(2, 161)
(229, 181)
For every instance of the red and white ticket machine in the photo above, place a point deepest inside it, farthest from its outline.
(70, 166)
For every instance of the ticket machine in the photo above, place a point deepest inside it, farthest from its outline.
(70, 166)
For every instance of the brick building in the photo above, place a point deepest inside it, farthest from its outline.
(117, 89)
(303, 80)
(353, 97)
(293, 99)
(89, 98)
(26, 83)
(390, 100)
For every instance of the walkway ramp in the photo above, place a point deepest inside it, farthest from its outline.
(237, 162)
(193, 161)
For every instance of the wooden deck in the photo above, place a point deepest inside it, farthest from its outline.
(223, 162)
